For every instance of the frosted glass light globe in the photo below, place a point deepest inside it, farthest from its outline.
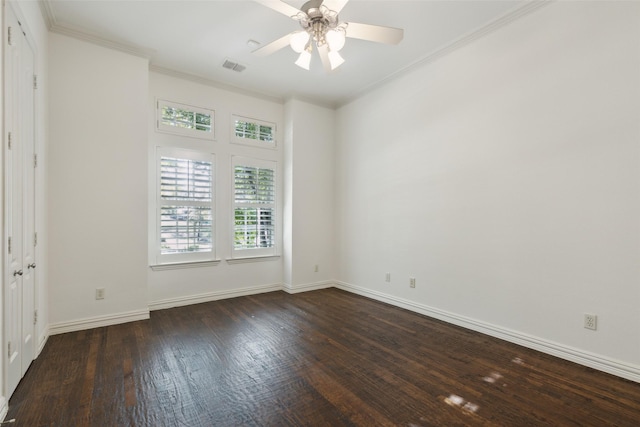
(335, 39)
(304, 60)
(335, 59)
(298, 41)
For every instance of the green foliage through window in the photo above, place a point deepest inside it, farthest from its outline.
(185, 119)
(254, 228)
(253, 130)
(254, 195)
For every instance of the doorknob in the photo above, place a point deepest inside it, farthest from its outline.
(32, 265)
(17, 273)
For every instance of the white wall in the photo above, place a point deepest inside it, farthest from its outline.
(287, 203)
(505, 178)
(184, 286)
(310, 196)
(97, 182)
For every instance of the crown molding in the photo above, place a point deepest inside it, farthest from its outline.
(67, 30)
(214, 83)
(50, 19)
(513, 15)
(47, 13)
(97, 40)
(311, 100)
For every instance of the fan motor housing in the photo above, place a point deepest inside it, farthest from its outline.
(318, 20)
(312, 9)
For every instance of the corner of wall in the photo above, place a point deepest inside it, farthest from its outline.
(309, 162)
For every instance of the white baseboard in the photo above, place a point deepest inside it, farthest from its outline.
(306, 287)
(43, 340)
(595, 361)
(98, 321)
(4, 407)
(212, 296)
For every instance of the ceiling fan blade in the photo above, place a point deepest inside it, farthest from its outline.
(335, 5)
(274, 46)
(374, 33)
(324, 57)
(280, 6)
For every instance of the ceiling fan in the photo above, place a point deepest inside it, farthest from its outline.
(321, 27)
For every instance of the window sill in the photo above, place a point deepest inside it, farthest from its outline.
(253, 259)
(181, 265)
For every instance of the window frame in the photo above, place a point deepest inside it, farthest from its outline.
(188, 257)
(193, 133)
(249, 141)
(249, 253)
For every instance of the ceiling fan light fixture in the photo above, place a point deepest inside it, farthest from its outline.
(304, 60)
(299, 40)
(321, 26)
(336, 39)
(335, 59)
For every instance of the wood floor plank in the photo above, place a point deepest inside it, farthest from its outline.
(322, 358)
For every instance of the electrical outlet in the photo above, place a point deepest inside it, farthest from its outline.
(412, 282)
(99, 293)
(591, 321)
(387, 277)
(316, 268)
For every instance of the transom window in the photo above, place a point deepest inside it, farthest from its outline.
(185, 119)
(254, 132)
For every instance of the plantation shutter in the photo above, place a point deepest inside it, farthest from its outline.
(185, 207)
(254, 205)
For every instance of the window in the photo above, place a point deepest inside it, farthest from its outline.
(254, 207)
(184, 119)
(184, 206)
(254, 132)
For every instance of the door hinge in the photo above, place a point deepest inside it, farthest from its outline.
(9, 36)
(9, 140)
(35, 317)
(35, 81)
(35, 239)
(9, 248)
(9, 349)
(35, 160)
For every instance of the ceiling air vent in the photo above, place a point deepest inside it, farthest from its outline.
(233, 66)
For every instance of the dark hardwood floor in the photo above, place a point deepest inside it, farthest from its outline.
(319, 358)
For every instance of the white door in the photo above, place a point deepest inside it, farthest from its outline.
(19, 291)
(27, 165)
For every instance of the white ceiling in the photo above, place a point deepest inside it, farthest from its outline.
(196, 37)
